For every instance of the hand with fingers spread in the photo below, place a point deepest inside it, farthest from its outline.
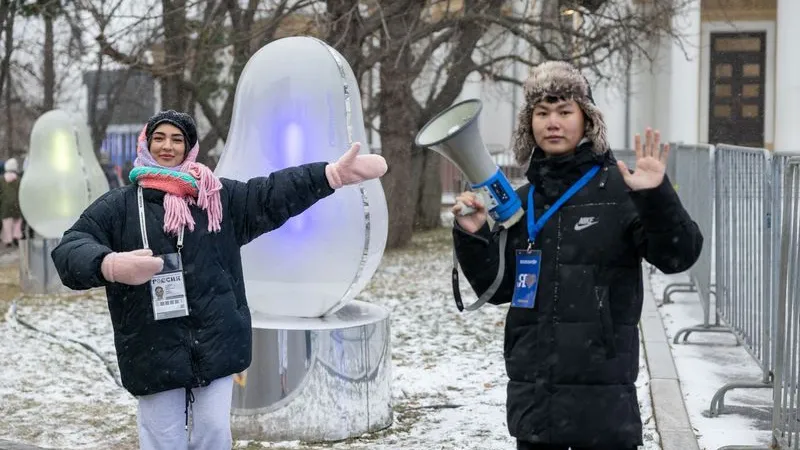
(474, 221)
(651, 162)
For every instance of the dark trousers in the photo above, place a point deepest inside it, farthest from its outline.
(523, 445)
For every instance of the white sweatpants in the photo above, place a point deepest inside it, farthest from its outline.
(162, 418)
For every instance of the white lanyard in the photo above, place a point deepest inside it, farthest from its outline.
(142, 223)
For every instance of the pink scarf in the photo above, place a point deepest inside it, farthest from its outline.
(177, 198)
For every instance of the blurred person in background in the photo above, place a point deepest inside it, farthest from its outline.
(9, 204)
(111, 171)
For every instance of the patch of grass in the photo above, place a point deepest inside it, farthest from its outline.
(9, 287)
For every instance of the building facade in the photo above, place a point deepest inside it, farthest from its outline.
(734, 78)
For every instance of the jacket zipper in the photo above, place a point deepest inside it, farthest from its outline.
(608, 332)
(193, 358)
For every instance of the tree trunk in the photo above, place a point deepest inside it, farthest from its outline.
(207, 143)
(7, 13)
(172, 93)
(396, 148)
(427, 177)
(397, 126)
(429, 189)
(9, 119)
(49, 63)
(344, 32)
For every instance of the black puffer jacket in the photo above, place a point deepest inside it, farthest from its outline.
(214, 340)
(573, 359)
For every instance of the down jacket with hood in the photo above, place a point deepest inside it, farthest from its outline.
(214, 340)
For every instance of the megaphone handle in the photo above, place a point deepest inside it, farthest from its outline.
(465, 210)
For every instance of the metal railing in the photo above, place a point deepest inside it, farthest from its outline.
(786, 395)
(743, 204)
(694, 182)
(752, 237)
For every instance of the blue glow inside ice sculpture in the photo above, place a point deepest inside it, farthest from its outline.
(298, 102)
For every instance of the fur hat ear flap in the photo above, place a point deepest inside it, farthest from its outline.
(595, 127)
(523, 141)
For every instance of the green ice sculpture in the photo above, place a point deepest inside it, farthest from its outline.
(63, 175)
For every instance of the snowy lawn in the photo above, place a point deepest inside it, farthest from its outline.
(448, 373)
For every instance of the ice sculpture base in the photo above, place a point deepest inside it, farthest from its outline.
(323, 379)
(37, 273)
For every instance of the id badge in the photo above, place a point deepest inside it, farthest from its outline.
(529, 263)
(167, 289)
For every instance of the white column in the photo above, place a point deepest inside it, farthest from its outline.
(684, 80)
(787, 77)
(610, 99)
(642, 96)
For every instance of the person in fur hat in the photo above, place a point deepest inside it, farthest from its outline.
(181, 321)
(573, 267)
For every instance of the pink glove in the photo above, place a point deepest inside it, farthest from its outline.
(132, 268)
(353, 168)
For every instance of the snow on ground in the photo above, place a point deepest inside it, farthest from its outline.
(448, 373)
(706, 363)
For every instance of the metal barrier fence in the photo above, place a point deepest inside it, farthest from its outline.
(745, 260)
(694, 181)
(786, 395)
(755, 229)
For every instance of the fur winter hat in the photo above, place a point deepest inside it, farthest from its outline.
(562, 80)
(182, 121)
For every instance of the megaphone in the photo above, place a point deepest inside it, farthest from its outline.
(454, 134)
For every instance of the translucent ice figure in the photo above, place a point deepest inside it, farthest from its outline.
(62, 176)
(297, 102)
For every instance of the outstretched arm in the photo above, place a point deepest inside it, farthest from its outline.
(265, 203)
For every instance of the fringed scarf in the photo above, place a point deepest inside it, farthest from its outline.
(189, 183)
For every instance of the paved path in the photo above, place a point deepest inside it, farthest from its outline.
(672, 420)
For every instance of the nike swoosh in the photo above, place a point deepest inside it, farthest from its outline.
(583, 226)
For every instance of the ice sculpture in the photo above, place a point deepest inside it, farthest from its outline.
(62, 176)
(298, 101)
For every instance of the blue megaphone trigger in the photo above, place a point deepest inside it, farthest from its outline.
(503, 201)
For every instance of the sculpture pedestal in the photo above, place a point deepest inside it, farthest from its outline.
(37, 273)
(322, 379)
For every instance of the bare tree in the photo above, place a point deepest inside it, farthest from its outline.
(421, 52)
(189, 65)
(48, 10)
(105, 83)
(460, 38)
(8, 12)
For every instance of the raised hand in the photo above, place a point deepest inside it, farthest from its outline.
(651, 162)
(353, 168)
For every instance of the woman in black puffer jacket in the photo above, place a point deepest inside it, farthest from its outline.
(181, 320)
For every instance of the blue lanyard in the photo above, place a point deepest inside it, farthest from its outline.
(535, 226)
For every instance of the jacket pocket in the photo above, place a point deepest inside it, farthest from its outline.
(603, 310)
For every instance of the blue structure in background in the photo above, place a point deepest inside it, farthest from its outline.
(120, 146)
